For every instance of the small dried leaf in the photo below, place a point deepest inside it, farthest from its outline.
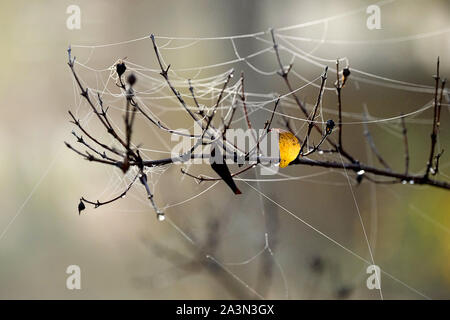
(81, 206)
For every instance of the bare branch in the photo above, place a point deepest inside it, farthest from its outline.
(285, 76)
(414, 179)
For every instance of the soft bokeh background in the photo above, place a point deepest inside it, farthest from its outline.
(125, 253)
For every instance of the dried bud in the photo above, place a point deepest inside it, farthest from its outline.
(344, 292)
(346, 72)
(359, 178)
(317, 265)
(125, 165)
(120, 68)
(131, 79)
(345, 75)
(81, 206)
(330, 126)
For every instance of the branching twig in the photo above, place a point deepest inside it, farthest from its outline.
(285, 75)
(85, 95)
(81, 140)
(130, 157)
(77, 122)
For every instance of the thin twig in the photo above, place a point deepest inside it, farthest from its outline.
(338, 92)
(103, 154)
(97, 203)
(165, 74)
(269, 122)
(371, 142)
(313, 116)
(90, 157)
(244, 105)
(201, 178)
(405, 142)
(434, 128)
(104, 146)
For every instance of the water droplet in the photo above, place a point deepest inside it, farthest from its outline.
(161, 216)
(404, 182)
(360, 172)
(411, 181)
(320, 152)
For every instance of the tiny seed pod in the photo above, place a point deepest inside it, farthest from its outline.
(131, 79)
(345, 75)
(120, 68)
(329, 126)
(346, 72)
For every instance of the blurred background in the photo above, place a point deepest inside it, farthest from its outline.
(125, 253)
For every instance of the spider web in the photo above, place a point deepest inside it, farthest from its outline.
(96, 67)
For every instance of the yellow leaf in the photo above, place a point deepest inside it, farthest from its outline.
(289, 148)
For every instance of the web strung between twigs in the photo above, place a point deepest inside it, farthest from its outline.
(216, 88)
